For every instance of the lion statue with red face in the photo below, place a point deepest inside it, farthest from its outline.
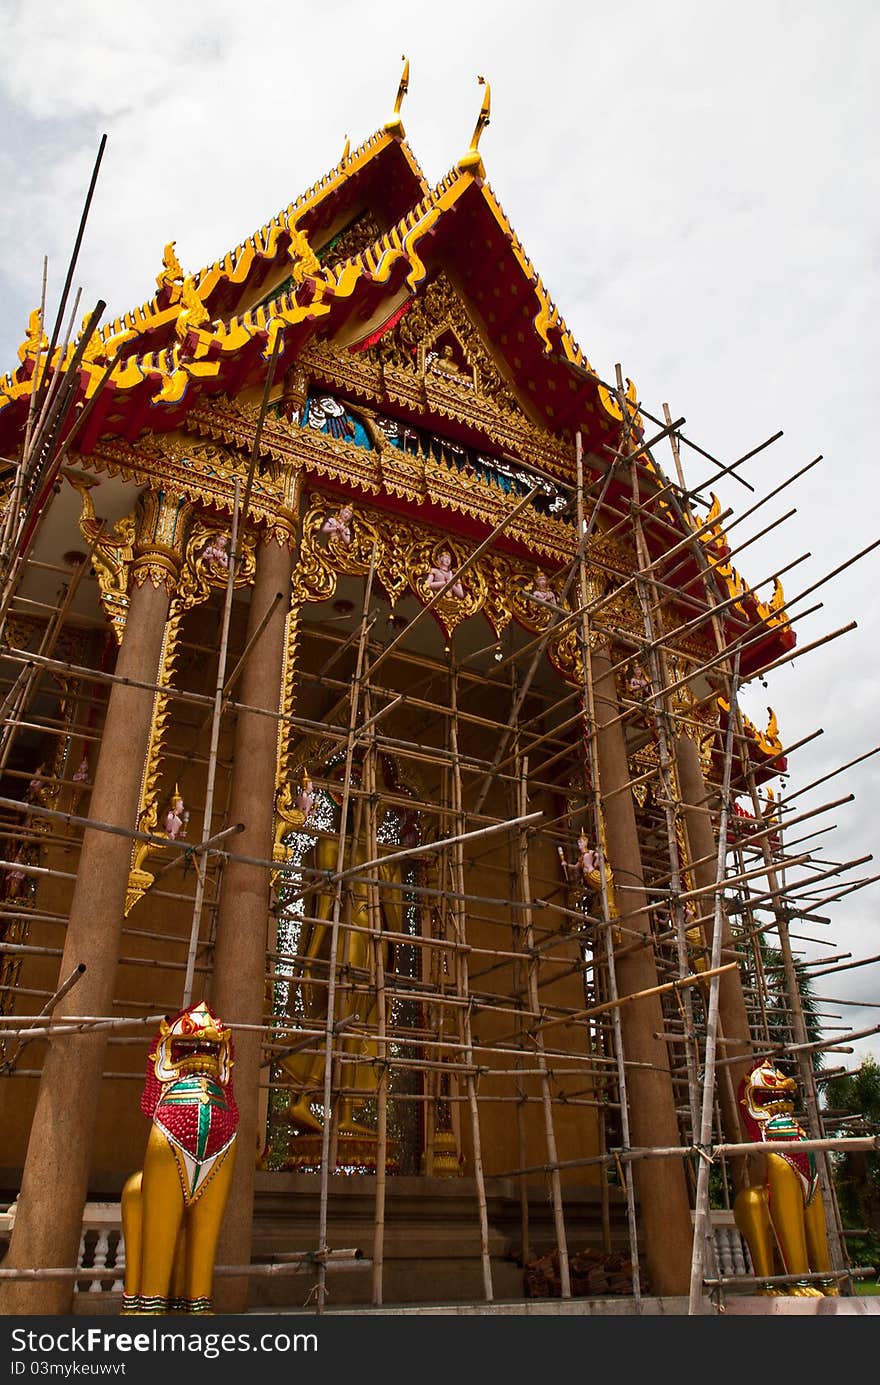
(786, 1212)
(172, 1209)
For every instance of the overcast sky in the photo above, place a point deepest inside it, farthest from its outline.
(698, 191)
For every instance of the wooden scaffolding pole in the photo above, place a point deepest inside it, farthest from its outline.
(336, 916)
(459, 917)
(537, 1035)
(590, 731)
(701, 1212)
(374, 915)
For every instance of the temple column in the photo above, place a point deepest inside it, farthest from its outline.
(660, 1183)
(54, 1187)
(703, 849)
(239, 981)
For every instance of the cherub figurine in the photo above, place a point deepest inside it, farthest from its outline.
(37, 786)
(216, 552)
(542, 591)
(305, 799)
(176, 818)
(637, 684)
(339, 525)
(440, 577)
(15, 880)
(81, 781)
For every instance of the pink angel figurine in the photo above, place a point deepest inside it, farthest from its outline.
(440, 577)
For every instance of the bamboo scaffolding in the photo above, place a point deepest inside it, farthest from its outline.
(442, 1047)
(649, 597)
(589, 711)
(805, 1069)
(217, 710)
(537, 1037)
(459, 923)
(374, 917)
(701, 1212)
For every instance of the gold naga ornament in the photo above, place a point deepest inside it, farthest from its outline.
(171, 275)
(172, 1209)
(472, 161)
(394, 125)
(787, 1210)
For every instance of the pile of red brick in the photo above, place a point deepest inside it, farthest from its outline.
(593, 1273)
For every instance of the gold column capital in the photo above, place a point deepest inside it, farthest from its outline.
(162, 519)
(283, 528)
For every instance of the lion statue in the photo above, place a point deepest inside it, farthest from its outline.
(172, 1209)
(787, 1210)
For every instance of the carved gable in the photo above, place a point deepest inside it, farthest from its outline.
(437, 339)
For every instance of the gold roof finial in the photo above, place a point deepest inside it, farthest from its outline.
(171, 271)
(346, 151)
(472, 162)
(35, 339)
(394, 126)
(192, 310)
(94, 350)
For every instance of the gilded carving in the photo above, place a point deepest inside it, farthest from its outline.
(170, 276)
(112, 553)
(206, 559)
(438, 320)
(35, 341)
(430, 565)
(351, 241)
(344, 537)
(204, 568)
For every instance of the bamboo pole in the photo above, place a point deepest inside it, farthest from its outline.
(806, 1073)
(334, 937)
(459, 918)
(590, 724)
(522, 861)
(701, 1212)
(196, 922)
(456, 576)
(374, 914)
(649, 600)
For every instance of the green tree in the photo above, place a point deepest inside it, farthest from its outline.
(780, 1024)
(857, 1174)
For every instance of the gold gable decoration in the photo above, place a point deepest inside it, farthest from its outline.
(342, 537)
(437, 319)
(111, 553)
(350, 242)
(204, 569)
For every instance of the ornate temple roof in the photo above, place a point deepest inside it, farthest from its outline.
(213, 331)
(342, 265)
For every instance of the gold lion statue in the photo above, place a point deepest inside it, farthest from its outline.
(172, 1209)
(787, 1211)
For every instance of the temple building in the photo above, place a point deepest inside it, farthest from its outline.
(369, 676)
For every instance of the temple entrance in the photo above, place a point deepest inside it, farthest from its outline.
(404, 833)
(371, 948)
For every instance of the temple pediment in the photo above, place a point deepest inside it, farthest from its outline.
(370, 246)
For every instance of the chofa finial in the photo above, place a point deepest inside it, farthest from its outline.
(472, 160)
(394, 126)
